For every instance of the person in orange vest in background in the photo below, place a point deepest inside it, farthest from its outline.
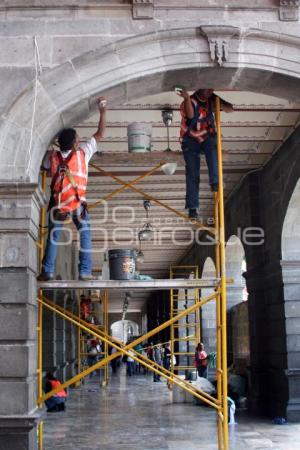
(58, 401)
(198, 136)
(69, 172)
(85, 307)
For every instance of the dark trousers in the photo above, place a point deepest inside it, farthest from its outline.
(191, 152)
(54, 401)
(202, 371)
(130, 368)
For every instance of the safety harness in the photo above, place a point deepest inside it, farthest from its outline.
(57, 187)
(202, 125)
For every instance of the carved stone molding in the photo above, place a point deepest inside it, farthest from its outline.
(219, 38)
(289, 10)
(142, 9)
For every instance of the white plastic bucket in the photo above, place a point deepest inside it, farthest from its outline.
(139, 137)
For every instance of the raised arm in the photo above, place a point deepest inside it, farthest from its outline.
(188, 106)
(102, 120)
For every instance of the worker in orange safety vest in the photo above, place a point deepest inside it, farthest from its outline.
(198, 136)
(69, 173)
(57, 401)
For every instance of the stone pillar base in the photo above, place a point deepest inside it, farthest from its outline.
(293, 406)
(18, 432)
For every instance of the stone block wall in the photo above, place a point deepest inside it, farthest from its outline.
(59, 335)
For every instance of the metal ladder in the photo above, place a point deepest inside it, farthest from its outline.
(185, 334)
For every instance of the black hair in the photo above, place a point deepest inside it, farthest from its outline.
(50, 376)
(66, 139)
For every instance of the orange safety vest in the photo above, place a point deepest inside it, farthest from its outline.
(54, 385)
(69, 180)
(201, 128)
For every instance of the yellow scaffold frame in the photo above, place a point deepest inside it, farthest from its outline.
(81, 340)
(177, 297)
(219, 295)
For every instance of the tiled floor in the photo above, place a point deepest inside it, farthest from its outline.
(136, 414)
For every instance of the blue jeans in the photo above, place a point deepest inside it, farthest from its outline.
(53, 401)
(130, 368)
(54, 234)
(191, 153)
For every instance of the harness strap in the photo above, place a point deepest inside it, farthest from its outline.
(208, 119)
(63, 164)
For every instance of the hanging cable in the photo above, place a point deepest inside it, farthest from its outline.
(38, 72)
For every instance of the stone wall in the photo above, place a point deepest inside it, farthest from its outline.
(19, 216)
(240, 338)
(59, 335)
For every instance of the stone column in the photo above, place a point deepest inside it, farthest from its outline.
(208, 322)
(234, 297)
(291, 288)
(19, 222)
(269, 390)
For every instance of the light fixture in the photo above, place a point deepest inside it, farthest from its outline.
(169, 168)
(146, 233)
(167, 116)
(140, 257)
(126, 304)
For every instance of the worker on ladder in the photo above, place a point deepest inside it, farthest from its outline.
(198, 136)
(69, 172)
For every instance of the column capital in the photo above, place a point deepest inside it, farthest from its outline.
(20, 421)
(22, 190)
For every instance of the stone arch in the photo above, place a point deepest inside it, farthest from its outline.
(119, 329)
(235, 255)
(290, 239)
(208, 311)
(137, 66)
(290, 263)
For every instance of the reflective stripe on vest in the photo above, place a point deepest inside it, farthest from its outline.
(64, 192)
(54, 385)
(202, 128)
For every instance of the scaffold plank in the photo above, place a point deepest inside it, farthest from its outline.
(163, 284)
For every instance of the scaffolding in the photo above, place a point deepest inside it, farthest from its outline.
(175, 284)
(99, 318)
(185, 334)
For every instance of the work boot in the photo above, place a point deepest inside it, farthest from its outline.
(86, 277)
(44, 276)
(214, 187)
(193, 213)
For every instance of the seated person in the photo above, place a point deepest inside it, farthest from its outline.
(58, 400)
